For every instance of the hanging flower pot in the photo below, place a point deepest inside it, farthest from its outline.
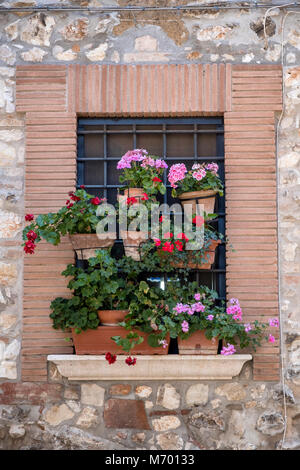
(86, 244)
(198, 344)
(205, 198)
(208, 257)
(99, 341)
(132, 241)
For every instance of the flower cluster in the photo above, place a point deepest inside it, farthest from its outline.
(228, 350)
(111, 359)
(31, 235)
(141, 170)
(234, 309)
(135, 155)
(201, 177)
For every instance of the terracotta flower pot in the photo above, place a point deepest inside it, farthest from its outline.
(197, 343)
(99, 341)
(111, 317)
(209, 257)
(132, 241)
(86, 244)
(206, 198)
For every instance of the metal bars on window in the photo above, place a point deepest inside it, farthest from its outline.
(102, 142)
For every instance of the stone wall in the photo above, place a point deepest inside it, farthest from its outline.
(254, 419)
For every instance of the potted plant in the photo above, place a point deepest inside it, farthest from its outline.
(78, 219)
(147, 322)
(134, 216)
(100, 299)
(199, 185)
(201, 324)
(141, 173)
(176, 251)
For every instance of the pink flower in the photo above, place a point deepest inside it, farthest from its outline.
(199, 174)
(159, 163)
(197, 296)
(181, 308)
(185, 326)
(234, 309)
(213, 167)
(168, 235)
(157, 242)
(247, 327)
(271, 339)
(228, 350)
(210, 317)
(274, 322)
(164, 343)
(135, 155)
(177, 173)
(198, 307)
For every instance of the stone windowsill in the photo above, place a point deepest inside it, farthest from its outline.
(171, 367)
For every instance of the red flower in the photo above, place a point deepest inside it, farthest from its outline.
(182, 236)
(156, 180)
(198, 220)
(179, 245)
(82, 186)
(96, 201)
(69, 204)
(168, 235)
(31, 235)
(29, 247)
(161, 219)
(131, 200)
(168, 246)
(157, 242)
(111, 358)
(29, 217)
(130, 361)
(145, 197)
(75, 198)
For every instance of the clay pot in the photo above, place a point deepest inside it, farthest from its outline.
(198, 344)
(207, 199)
(86, 244)
(132, 241)
(209, 257)
(99, 341)
(112, 317)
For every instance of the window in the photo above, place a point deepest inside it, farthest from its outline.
(102, 142)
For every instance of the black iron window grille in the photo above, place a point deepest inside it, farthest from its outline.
(102, 142)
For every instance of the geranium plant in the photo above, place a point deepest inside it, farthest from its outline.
(202, 177)
(77, 216)
(141, 170)
(99, 286)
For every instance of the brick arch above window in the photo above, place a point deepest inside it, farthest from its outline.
(248, 96)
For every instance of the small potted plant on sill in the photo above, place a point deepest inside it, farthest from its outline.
(77, 218)
(201, 324)
(100, 300)
(200, 185)
(141, 173)
(147, 322)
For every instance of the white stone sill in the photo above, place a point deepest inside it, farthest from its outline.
(170, 367)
